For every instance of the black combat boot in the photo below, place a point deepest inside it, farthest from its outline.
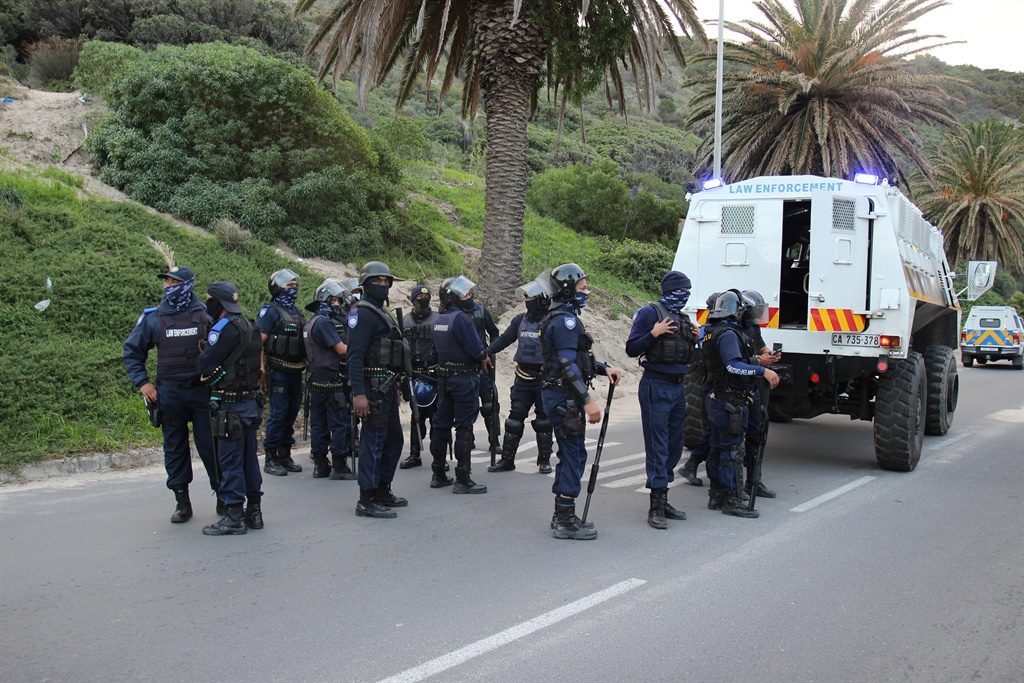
(369, 507)
(656, 514)
(762, 490)
(670, 512)
(463, 484)
(689, 472)
(321, 467)
(504, 464)
(388, 499)
(254, 513)
(733, 506)
(341, 470)
(222, 507)
(509, 446)
(544, 445)
(714, 498)
(271, 466)
(439, 480)
(284, 458)
(183, 509)
(568, 525)
(413, 460)
(231, 524)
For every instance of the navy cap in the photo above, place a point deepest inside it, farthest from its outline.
(419, 290)
(674, 280)
(226, 293)
(180, 273)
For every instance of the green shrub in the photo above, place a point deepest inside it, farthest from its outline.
(52, 62)
(64, 18)
(641, 263)
(1017, 301)
(100, 62)
(232, 236)
(404, 137)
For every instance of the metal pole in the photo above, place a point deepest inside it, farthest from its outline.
(718, 90)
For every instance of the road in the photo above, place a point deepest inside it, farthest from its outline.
(851, 574)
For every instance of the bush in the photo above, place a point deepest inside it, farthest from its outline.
(404, 137)
(64, 18)
(100, 62)
(52, 62)
(232, 236)
(642, 263)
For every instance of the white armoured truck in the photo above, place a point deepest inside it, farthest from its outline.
(861, 300)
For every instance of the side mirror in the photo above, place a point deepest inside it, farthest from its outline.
(981, 275)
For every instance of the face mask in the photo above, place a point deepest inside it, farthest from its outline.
(421, 306)
(581, 300)
(179, 296)
(287, 297)
(533, 306)
(675, 300)
(378, 294)
(467, 304)
(214, 308)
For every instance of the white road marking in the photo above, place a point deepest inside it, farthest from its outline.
(628, 481)
(1015, 415)
(480, 647)
(824, 498)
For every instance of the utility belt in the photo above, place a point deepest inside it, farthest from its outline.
(733, 395)
(450, 368)
(380, 382)
(277, 363)
(227, 424)
(319, 377)
(236, 396)
(178, 384)
(522, 373)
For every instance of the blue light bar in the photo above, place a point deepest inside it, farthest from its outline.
(865, 179)
(712, 183)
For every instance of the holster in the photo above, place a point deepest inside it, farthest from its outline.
(225, 424)
(573, 423)
(339, 399)
(735, 419)
(156, 418)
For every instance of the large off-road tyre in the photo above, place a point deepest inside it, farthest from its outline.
(900, 414)
(695, 415)
(967, 359)
(943, 389)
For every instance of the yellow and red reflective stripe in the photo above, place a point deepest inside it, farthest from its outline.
(836, 320)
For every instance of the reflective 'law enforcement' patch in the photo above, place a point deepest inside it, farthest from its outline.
(570, 322)
(352, 320)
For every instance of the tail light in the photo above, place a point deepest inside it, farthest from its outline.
(888, 342)
(963, 337)
(1016, 338)
(815, 378)
(883, 364)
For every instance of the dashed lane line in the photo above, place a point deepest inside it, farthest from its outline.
(835, 493)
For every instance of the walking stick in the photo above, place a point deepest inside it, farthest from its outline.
(597, 456)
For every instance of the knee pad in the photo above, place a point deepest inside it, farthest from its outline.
(519, 409)
(487, 408)
(514, 427)
(542, 426)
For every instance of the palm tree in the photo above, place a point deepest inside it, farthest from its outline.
(826, 92)
(503, 49)
(978, 194)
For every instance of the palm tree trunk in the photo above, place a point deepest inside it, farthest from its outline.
(508, 59)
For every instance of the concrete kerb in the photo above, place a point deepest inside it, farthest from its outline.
(100, 462)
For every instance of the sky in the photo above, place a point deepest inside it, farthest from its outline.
(990, 28)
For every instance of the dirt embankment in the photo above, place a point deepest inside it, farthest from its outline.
(44, 128)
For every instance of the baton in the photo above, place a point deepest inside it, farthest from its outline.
(597, 456)
(755, 467)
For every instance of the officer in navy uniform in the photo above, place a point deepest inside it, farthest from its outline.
(376, 358)
(488, 331)
(664, 339)
(702, 448)
(230, 365)
(329, 417)
(732, 367)
(569, 367)
(528, 386)
(280, 323)
(417, 326)
(175, 328)
(755, 316)
(461, 357)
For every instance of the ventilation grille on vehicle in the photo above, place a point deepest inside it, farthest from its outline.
(738, 219)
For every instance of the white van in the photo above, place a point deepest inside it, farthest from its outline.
(992, 333)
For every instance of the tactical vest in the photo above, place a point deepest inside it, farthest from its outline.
(584, 357)
(325, 364)
(671, 348)
(244, 373)
(285, 342)
(449, 350)
(384, 352)
(480, 322)
(421, 341)
(528, 351)
(178, 337)
(717, 375)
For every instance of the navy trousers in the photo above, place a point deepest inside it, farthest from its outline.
(726, 447)
(240, 474)
(572, 451)
(380, 447)
(285, 403)
(179, 407)
(329, 425)
(663, 417)
(458, 405)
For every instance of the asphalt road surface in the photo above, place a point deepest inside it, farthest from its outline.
(851, 574)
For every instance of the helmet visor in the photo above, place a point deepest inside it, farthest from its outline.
(282, 277)
(759, 314)
(461, 286)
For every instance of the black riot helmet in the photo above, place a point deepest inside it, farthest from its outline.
(538, 289)
(375, 269)
(279, 280)
(757, 308)
(443, 294)
(454, 288)
(712, 299)
(329, 288)
(564, 278)
(729, 304)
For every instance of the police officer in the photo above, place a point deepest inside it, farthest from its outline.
(528, 386)
(175, 327)
(701, 449)
(569, 367)
(417, 327)
(461, 356)
(375, 360)
(280, 323)
(729, 358)
(230, 364)
(488, 331)
(330, 420)
(664, 339)
(755, 315)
